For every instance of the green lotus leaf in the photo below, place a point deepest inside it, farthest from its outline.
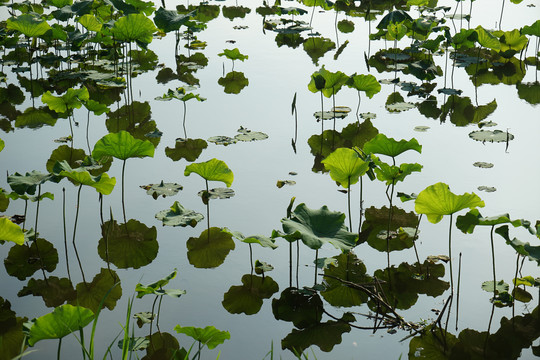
(232, 12)
(345, 266)
(383, 145)
(136, 119)
(487, 39)
(212, 170)
(248, 135)
(253, 239)
(209, 336)
(527, 281)
(222, 140)
(437, 200)
(466, 223)
(8, 318)
(316, 227)
(178, 215)
(72, 99)
(90, 22)
(170, 20)
(261, 267)
(10, 231)
(12, 337)
(180, 93)
(345, 166)
(345, 26)
(248, 297)
(533, 29)
(65, 153)
(122, 145)
(90, 295)
(129, 245)
(4, 200)
(210, 249)
(135, 343)
(376, 227)
(43, 196)
(513, 40)
(302, 309)
(23, 261)
(522, 248)
(35, 118)
(500, 287)
(29, 25)
(189, 149)
(233, 82)
(156, 288)
(365, 83)
(332, 81)
(54, 291)
(144, 317)
(102, 183)
(134, 27)
(162, 189)
(521, 295)
(392, 174)
(2, 145)
(233, 54)
(28, 183)
(64, 320)
(96, 107)
(217, 193)
(325, 335)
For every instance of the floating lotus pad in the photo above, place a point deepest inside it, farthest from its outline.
(421, 128)
(222, 140)
(217, 193)
(163, 189)
(484, 165)
(491, 135)
(329, 115)
(487, 188)
(368, 115)
(248, 297)
(248, 135)
(400, 106)
(178, 215)
(210, 249)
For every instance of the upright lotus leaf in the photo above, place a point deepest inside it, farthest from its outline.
(303, 309)
(10, 231)
(72, 99)
(487, 39)
(96, 107)
(395, 16)
(64, 320)
(383, 145)
(122, 145)
(332, 81)
(90, 295)
(365, 83)
(522, 248)
(466, 223)
(28, 183)
(391, 174)
(28, 25)
(102, 183)
(264, 241)
(533, 29)
(233, 54)
(178, 215)
(90, 22)
(437, 200)
(345, 166)
(513, 40)
(164, 346)
(156, 288)
(209, 336)
(170, 20)
(316, 227)
(325, 335)
(134, 27)
(210, 249)
(212, 170)
(180, 93)
(248, 297)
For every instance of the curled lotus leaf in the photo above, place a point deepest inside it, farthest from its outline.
(102, 183)
(162, 189)
(264, 241)
(487, 188)
(483, 165)
(491, 136)
(365, 83)
(134, 27)
(233, 54)
(178, 215)
(212, 170)
(345, 166)
(156, 288)
(282, 183)
(209, 336)
(381, 144)
(28, 183)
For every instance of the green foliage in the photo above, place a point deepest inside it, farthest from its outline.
(365, 83)
(332, 82)
(162, 189)
(437, 200)
(178, 215)
(92, 295)
(212, 170)
(156, 288)
(233, 54)
(27, 184)
(90, 22)
(29, 25)
(169, 20)
(210, 249)
(10, 231)
(383, 145)
(122, 145)
(233, 82)
(248, 297)
(181, 94)
(209, 336)
(303, 309)
(102, 183)
(134, 27)
(473, 218)
(264, 241)
(345, 166)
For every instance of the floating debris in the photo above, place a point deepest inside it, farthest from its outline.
(487, 124)
(421, 128)
(63, 139)
(282, 183)
(487, 188)
(292, 173)
(483, 165)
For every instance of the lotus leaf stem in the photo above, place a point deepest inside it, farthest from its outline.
(65, 232)
(36, 234)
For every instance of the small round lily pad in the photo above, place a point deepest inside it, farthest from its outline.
(491, 135)
(329, 115)
(483, 165)
(248, 135)
(163, 189)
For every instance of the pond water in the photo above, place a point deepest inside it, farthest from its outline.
(483, 88)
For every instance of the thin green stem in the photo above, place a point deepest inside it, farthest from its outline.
(36, 234)
(493, 261)
(450, 255)
(65, 232)
(123, 202)
(251, 258)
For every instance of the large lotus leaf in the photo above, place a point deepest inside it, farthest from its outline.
(162, 189)
(345, 166)
(233, 54)
(500, 286)
(55, 291)
(189, 149)
(301, 308)
(23, 261)
(210, 249)
(34, 118)
(316, 47)
(96, 107)
(65, 153)
(437, 200)
(513, 40)
(248, 297)
(430, 346)
(156, 288)
(264, 241)
(72, 99)
(383, 145)
(129, 245)
(91, 294)
(533, 29)
(90, 22)
(64, 320)
(169, 20)
(134, 27)
(376, 224)
(325, 335)
(212, 170)
(365, 83)
(10, 231)
(352, 269)
(178, 215)
(134, 118)
(233, 82)
(180, 93)
(463, 112)
(473, 218)
(102, 183)
(28, 25)
(487, 39)
(395, 16)
(28, 183)
(209, 336)
(122, 145)
(316, 227)
(332, 81)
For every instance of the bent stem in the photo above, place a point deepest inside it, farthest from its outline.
(75, 232)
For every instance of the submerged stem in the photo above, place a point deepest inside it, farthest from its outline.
(123, 202)
(65, 232)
